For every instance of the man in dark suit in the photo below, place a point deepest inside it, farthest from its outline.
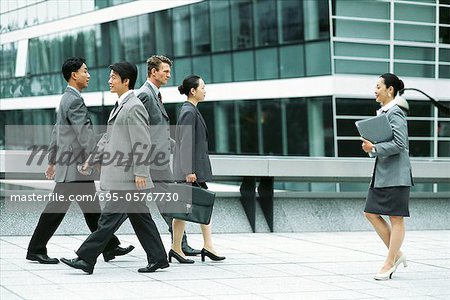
(125, 143)
(158, 73)
(72, 141)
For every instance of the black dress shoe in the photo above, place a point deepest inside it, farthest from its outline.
(42, 258)
(189, 251)
(118, 251)
(78, 263)
(152, 267)
(211, 255)
(178, 257)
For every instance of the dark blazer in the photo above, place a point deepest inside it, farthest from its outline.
(159, 127)
(393, 167)
(72, 138)
(191, 150)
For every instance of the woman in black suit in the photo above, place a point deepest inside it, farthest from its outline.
(191, 136)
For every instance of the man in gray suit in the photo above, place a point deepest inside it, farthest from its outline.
(158, 73)
(128, 138)
(72, 141)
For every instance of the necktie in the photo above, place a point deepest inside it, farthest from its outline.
(114, 108)
(160, 98)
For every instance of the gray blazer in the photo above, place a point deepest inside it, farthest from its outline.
(72, 138)
(125, 147)
(191, 149)
(392, 166)
(159, 127)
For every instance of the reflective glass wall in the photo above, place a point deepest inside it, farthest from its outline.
(408, 38)
(223, 41)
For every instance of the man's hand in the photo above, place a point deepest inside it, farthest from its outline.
(191, 178)
(141, 182)
(50, 172)
(366, 145)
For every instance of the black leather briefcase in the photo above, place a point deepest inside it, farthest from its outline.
(189, 203)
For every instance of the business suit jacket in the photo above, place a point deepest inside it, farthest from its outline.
(127, 134)
(72, 138)
(191, 149)
(392, 166)
(159, 130)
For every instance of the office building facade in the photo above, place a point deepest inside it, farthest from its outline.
(284, 77)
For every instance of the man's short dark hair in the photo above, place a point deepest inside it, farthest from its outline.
(155, 61)
(72, 64)
(126, 70)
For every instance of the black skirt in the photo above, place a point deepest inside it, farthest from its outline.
(389, 201)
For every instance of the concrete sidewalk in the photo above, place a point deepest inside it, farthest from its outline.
(332, 265)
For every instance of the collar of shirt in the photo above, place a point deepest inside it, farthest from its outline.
(154, 87)
(124, 95)
(77, 91)
(386, 107)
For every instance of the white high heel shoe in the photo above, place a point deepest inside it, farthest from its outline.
(386, 275)
(401, 259)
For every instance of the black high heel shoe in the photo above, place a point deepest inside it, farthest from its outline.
(178, 257)
(211, 255)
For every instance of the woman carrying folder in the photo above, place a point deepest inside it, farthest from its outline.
(391, 179)
(191, 162)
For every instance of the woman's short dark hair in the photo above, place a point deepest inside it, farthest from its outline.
(72, 64)
(392, 80)
(126, 70)
(190, 82)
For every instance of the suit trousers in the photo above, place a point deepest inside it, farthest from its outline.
(55, 211)
(114, 214)
(161, 180)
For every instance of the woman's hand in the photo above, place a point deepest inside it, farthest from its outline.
(191, 178)
(366, 145)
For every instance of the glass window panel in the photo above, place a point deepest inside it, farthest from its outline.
(317, 58)
(225, 127)
(444, 35)
(320, 126)
(444, 128)
(441, 114)
(415, 53)
(444, 54)
(271, 127)
(414, 70)
(419, 108)
(129, 38)
(266, 63)
(444, 15)
(63, 8)
(266, 31)
(201, 42)
(444, 2)
(417, 13)
(362, 9)
(291, 21)
(297, 129)
(356, 107)
(292, 61)
(41, 9)
(52, 10)
(420, 148)
(207, 110)
(420, 128)
(221, 65)
(163, 36)
(361, 29)
(146, 36)
(202, 67)
(414, 33)
(360, 67)
(444, 71)
(444, 149)
(346, 128)
(317, 23)
(75, 7)
(243, 66)
(220, 25)
(248, 124)
(350, 149)
(181, 31)
(242, 24)
(361, 50)
(182, 68)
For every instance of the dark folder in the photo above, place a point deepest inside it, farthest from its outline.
(376, 129)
